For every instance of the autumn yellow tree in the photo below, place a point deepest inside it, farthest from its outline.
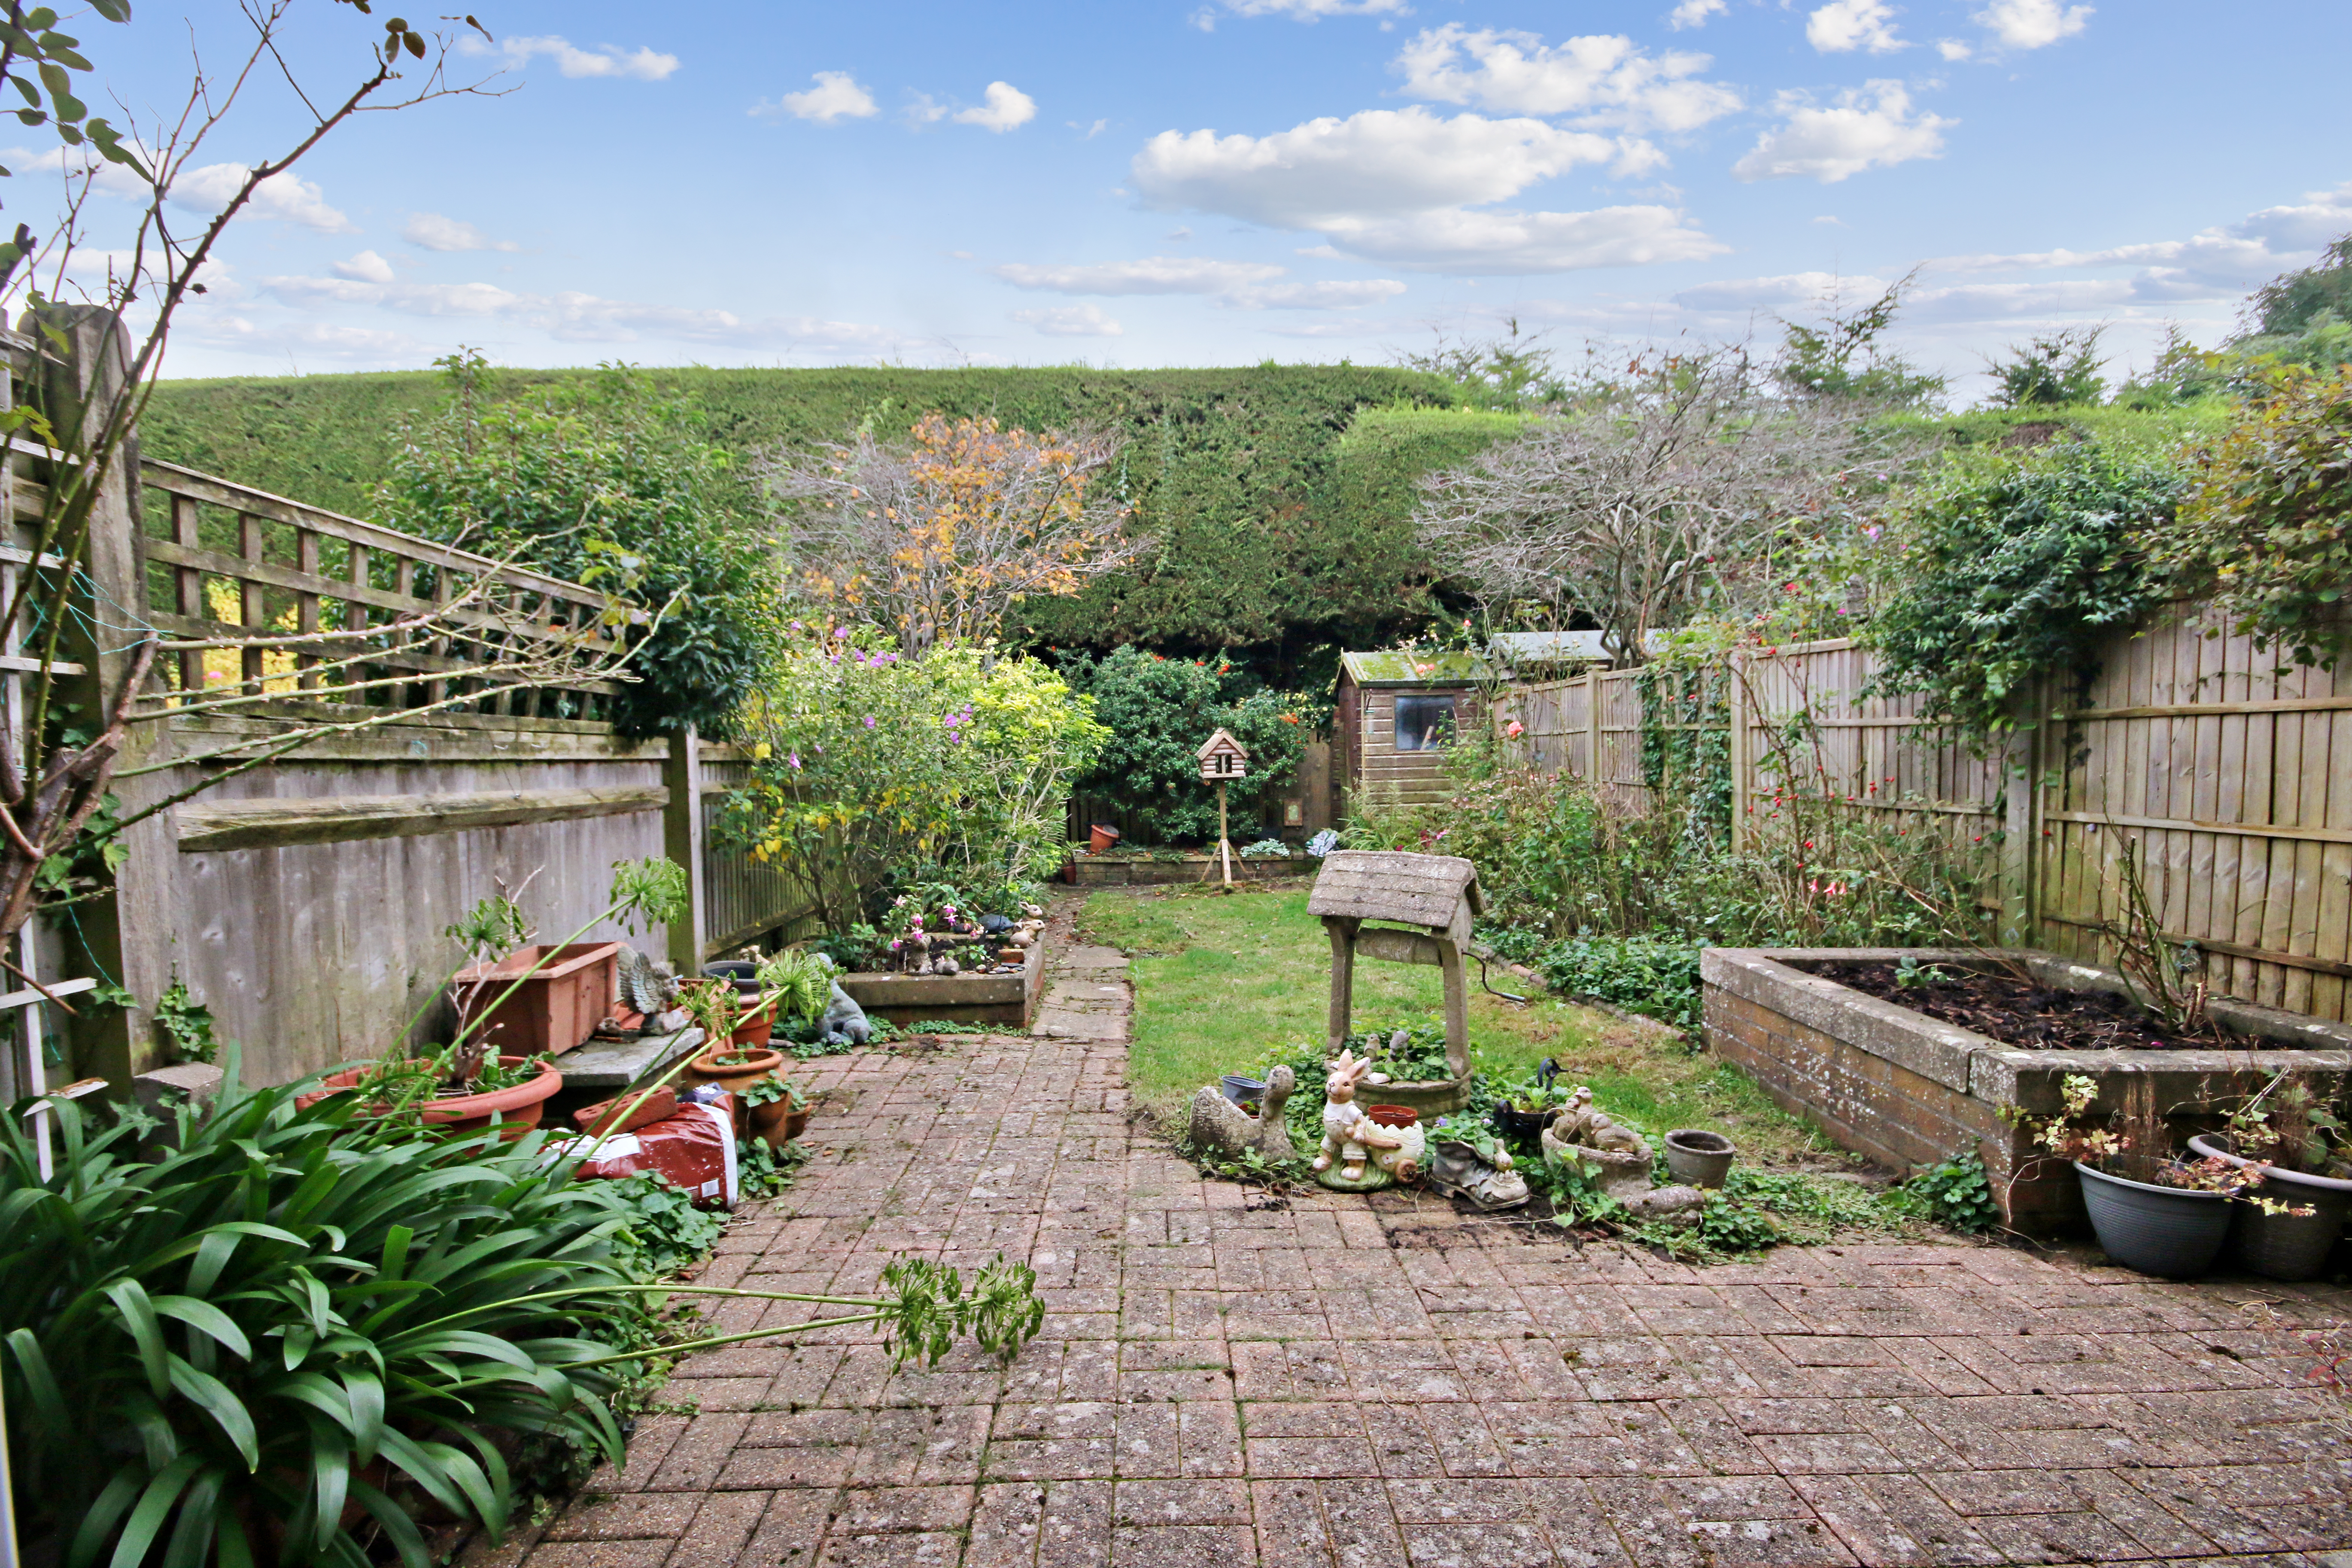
(938, 537)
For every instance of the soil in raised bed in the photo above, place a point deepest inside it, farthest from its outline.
(2022, 1013)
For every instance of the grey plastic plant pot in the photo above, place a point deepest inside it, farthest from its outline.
(2291, 1247)
(1699, 1159)
(2171, 1233)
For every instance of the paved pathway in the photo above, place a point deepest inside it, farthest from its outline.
(1226, 1380)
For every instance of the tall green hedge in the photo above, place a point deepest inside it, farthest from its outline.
(1235, 472)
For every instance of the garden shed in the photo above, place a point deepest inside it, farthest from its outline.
(1398, 712)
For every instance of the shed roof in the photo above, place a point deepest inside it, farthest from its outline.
(1395, 884)
(1405, 668)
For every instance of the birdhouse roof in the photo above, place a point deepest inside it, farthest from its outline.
(1221, 741)
(1395, 884)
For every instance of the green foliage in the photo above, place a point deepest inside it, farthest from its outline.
(763, 1170)
(1156, 713)
(1644, 974)
(2266, 525)
(664, 1232)
(1841, 356)
(222, 1339)
(2051, 371)
(582, 473)
(1231, 469)
(186, 1023)
(874, 769)
(2015, 568)
(802, 983)
(1512, 372)
(2293, 301)
(1957, 1193)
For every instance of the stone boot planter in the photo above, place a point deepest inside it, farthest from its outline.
(1696, 1159)
(2170, 1232)
(2276, 1245)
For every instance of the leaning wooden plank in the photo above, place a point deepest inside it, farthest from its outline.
(274, 823)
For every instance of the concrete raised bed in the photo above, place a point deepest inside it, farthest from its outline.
(954, 999)
(1908, 1091)
(1116, 870)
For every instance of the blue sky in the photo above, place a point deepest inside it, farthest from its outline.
(1216, 181)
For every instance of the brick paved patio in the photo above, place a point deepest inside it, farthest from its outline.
(1226, 1379)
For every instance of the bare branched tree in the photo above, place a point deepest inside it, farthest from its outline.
(99, 333)
(939, 537)
(1649, 505)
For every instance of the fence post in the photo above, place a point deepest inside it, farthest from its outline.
(127, 935)
(1592, 731)
(2021, 856)
(1735, 704)
(682, 841)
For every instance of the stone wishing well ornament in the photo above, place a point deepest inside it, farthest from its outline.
(1435, 899)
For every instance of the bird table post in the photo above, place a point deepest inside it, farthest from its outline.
(1222, 761)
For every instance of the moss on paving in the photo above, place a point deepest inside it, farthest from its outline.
(1219, 978)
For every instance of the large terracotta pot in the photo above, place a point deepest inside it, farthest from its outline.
(755, 1031)
(515, 1110)
(735, 1077)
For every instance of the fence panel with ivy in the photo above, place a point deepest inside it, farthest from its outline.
(2233, 775)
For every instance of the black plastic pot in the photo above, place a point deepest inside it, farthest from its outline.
(2172, 1233)
(2283, 1246)
(743, 971)
(1513, 1122)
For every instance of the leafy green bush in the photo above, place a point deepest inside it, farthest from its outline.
(581, 474)
(281, 1312)
(1958, 1194)
(1645, 974)
(662, 1232)
(1158, 712)
(2266, 527)
(876, 770)
(2018, 567)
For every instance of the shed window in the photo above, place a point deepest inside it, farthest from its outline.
(1424, 723)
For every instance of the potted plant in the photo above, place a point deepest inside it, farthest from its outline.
(776, 1109)
(2308, 1171)
(2153, 1212)
(452, 1090)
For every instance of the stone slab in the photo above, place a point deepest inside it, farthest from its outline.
(616, 1064)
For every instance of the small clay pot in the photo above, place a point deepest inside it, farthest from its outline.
(796, 1123)
(734, 1076)
(1393, 1115)
(768, 1122)
(1697, 1158)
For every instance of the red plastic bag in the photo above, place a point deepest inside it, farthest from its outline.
(694, 1151)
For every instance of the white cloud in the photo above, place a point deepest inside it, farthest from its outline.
(923, 110)
(1152, 275)
(1843, 26)
(1344, 295)
(1379, 162)
(1393, 185)
(836, 97)
(1071, 322)
(1954, 50)
(1603, 80)
(2219, 263)
(1872, 127)
(604, 60)
(574, 317)
(1693, 14)
(284, 340)
(367, 267)
(2033, 23)
(431, 231)
(281, 196)
(1005, 106)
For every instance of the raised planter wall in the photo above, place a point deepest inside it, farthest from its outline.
(1142, 870)
(954, 998)
(1908, 1091)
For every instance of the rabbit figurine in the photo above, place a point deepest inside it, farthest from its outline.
(1349, 1136)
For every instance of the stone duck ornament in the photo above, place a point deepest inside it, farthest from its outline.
(1222, 1127)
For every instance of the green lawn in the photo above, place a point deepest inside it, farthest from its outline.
(1220, 978)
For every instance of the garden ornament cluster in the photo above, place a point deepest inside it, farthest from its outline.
(1370, 1156)
(1221, 1127)
(1617, 1159)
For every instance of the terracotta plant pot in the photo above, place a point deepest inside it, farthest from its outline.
(796, 1123)
(758, 1063)
(554, 1010)
(755, 1031)
(1393, 1115)
(767, 1121)
(515, 1110)
(658, 1105)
